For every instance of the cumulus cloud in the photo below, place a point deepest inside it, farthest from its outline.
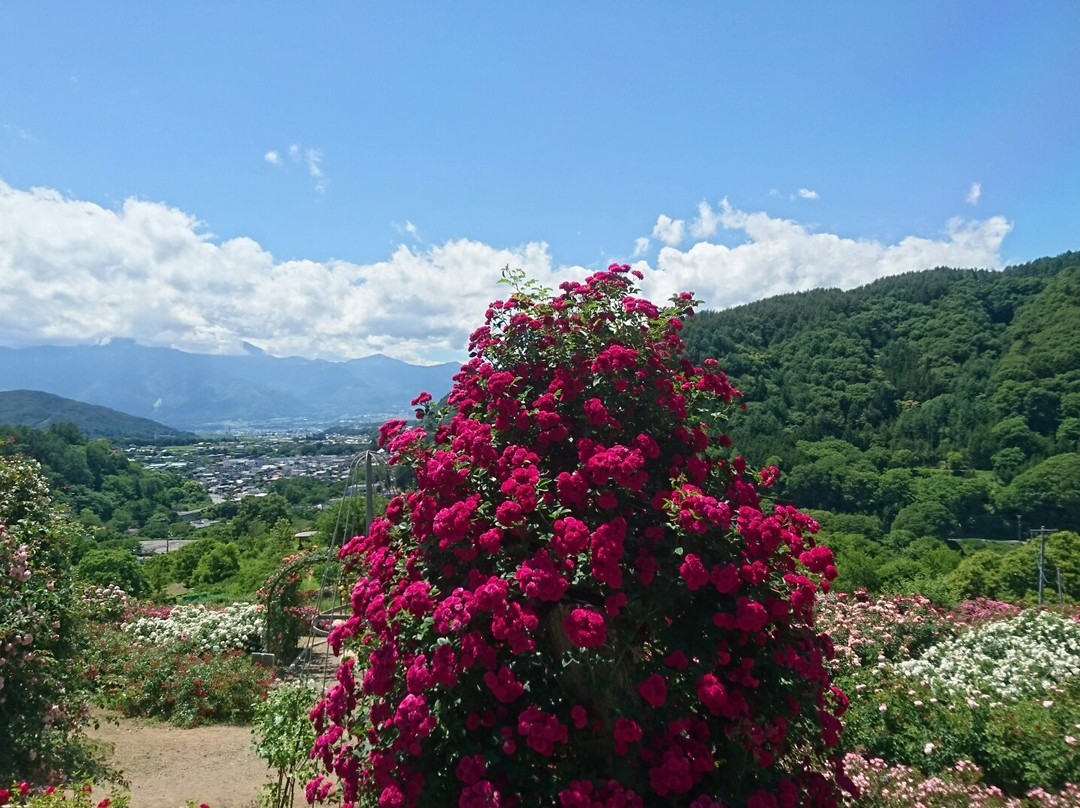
(668, 230)
(74, 272)
(973, 194)
(780, 255)
(706, 222)
(806, 193)
(272, 157)
(641, 245)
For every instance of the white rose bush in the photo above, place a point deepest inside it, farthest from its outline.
(202, 630)
(1007, 661)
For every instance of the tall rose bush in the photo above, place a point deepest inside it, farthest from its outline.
(584, 603)
(43, 697)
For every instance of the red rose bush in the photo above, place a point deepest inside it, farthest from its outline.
(583, 604)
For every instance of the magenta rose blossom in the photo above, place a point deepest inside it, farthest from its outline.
(585, 628)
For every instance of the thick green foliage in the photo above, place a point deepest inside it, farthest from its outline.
(112, 567)
(931, 362)
(42, 692)
(1013, 574)
(943, 403)
(98, 483)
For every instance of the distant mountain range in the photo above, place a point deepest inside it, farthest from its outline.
(208, 392)
(42, 410)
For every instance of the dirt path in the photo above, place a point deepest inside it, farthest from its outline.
(168, 766)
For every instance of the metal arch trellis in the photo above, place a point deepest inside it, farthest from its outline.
(272, 593)
(326, 614)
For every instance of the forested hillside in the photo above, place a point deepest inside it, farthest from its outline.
(102, 489)
(42, 410)
(936, 405)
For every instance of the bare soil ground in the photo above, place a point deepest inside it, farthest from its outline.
(167, 766)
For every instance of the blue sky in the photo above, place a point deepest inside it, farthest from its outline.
(337, 179)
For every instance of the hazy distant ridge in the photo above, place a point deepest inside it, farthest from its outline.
(200, 391)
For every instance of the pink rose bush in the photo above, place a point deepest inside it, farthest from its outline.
(43, 693)
(584, 602)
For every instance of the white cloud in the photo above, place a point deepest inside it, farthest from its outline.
(16, 131)
(314, 159)
(74, 272)
(305, 156)
(407, 229)
(640, 246)
(668, 230)
(806, 193)
(706, 222)
(780, 255)
(973, 194)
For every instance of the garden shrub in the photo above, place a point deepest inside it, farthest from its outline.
(961, 786)
(287, 616)
(186, 664)
(865, 630)
(201, 629)
(1026, 655)
(42, 695)
(105, 605)
(173, 682)
(73, 795)
(584, 602)
(283, 737)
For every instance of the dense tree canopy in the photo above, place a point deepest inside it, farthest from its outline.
(945, 403)
(98, 483)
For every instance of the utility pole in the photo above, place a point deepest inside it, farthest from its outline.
(1061, 597)
(369, 493)
(1042, 561)
(371, 459)
(1042, 531)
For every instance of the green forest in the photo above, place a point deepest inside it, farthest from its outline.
(102, 488)
(929, 421)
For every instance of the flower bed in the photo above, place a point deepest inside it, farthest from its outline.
(999, 693)
(199, 629)
(186, 664)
